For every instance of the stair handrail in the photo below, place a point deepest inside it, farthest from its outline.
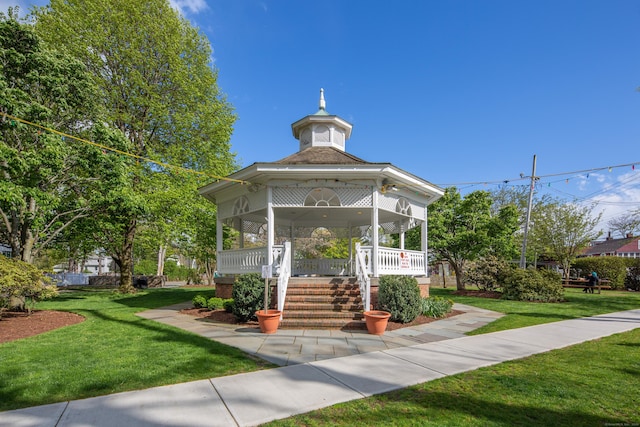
(284, 275)
(363, 278)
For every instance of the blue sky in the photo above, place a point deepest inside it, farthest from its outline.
(456, 92)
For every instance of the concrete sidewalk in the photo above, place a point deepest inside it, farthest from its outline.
(257, 397)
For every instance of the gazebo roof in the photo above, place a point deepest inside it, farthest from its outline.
(323, 159)
(321, 156)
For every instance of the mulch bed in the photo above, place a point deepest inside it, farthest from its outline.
(223, 317)
(15, 325)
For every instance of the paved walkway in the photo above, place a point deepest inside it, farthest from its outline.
(257, 397)
(295, 346)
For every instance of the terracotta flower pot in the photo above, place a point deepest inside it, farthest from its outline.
(268, 321)
(376, 321)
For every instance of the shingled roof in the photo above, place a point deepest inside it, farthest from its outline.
(321, 156)
(608, 247)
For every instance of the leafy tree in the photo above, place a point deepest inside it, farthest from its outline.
(48, 181)
(518, 197)
(562, 230)
(462, 230)
(156, 81)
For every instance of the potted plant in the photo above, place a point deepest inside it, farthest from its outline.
(376, 321)
(269, 320)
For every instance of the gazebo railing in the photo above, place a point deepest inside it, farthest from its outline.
(247, 260)
(396, 261)
(389, 261)
(321, 267)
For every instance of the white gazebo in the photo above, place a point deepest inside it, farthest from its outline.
(270, 207)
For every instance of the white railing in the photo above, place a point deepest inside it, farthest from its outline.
(284, 274)
(396, 261)
(362, 274)
(401, 261)
(321, 267)
(248, 260)
(389, 261)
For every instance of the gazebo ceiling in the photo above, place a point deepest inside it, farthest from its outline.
(331, 216)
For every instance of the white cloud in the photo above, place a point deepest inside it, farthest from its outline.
(189, 6)
(616, 197)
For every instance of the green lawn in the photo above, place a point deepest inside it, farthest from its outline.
(520, 314)
(590, 384)
(113, 350)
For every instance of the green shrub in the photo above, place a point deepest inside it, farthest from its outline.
(199, 301)
(228, 305)
(248, 296)
(611, 268)
(22, 285)
(436, 306)
(488, 273)
(400, 295)
(173, 271)
(146, 267)
(532, 285)
(194, 277)
(215, 303)
(632, 279)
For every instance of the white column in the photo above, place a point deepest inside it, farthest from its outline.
(424, 242)
(270, 225)
(401, 234)
(350, 251)
(219, 236)
(374, 234)
(293, 249)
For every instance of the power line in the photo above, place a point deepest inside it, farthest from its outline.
(124, 153)
(526, 178)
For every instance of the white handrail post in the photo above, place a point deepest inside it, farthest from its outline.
(283, 277)
(363, 278)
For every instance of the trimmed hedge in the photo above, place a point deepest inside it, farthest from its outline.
(400, 296)
(632, 281)
(611, 268)
(533, 285)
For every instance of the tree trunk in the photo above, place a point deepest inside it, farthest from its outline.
(162, 253)
(73, 265)
(27, 238)
(567, 270)
(209, 272)
(126, 263)
(459, 276)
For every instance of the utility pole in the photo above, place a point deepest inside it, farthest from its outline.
(523, 260)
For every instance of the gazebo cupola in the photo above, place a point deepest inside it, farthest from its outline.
(321, 129)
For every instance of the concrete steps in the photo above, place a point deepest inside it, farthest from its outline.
(323, 303)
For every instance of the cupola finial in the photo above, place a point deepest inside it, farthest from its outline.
(323, 104)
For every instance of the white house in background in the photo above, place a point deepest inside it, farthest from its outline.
(5, 250)
(96, 263)
(321, 186)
